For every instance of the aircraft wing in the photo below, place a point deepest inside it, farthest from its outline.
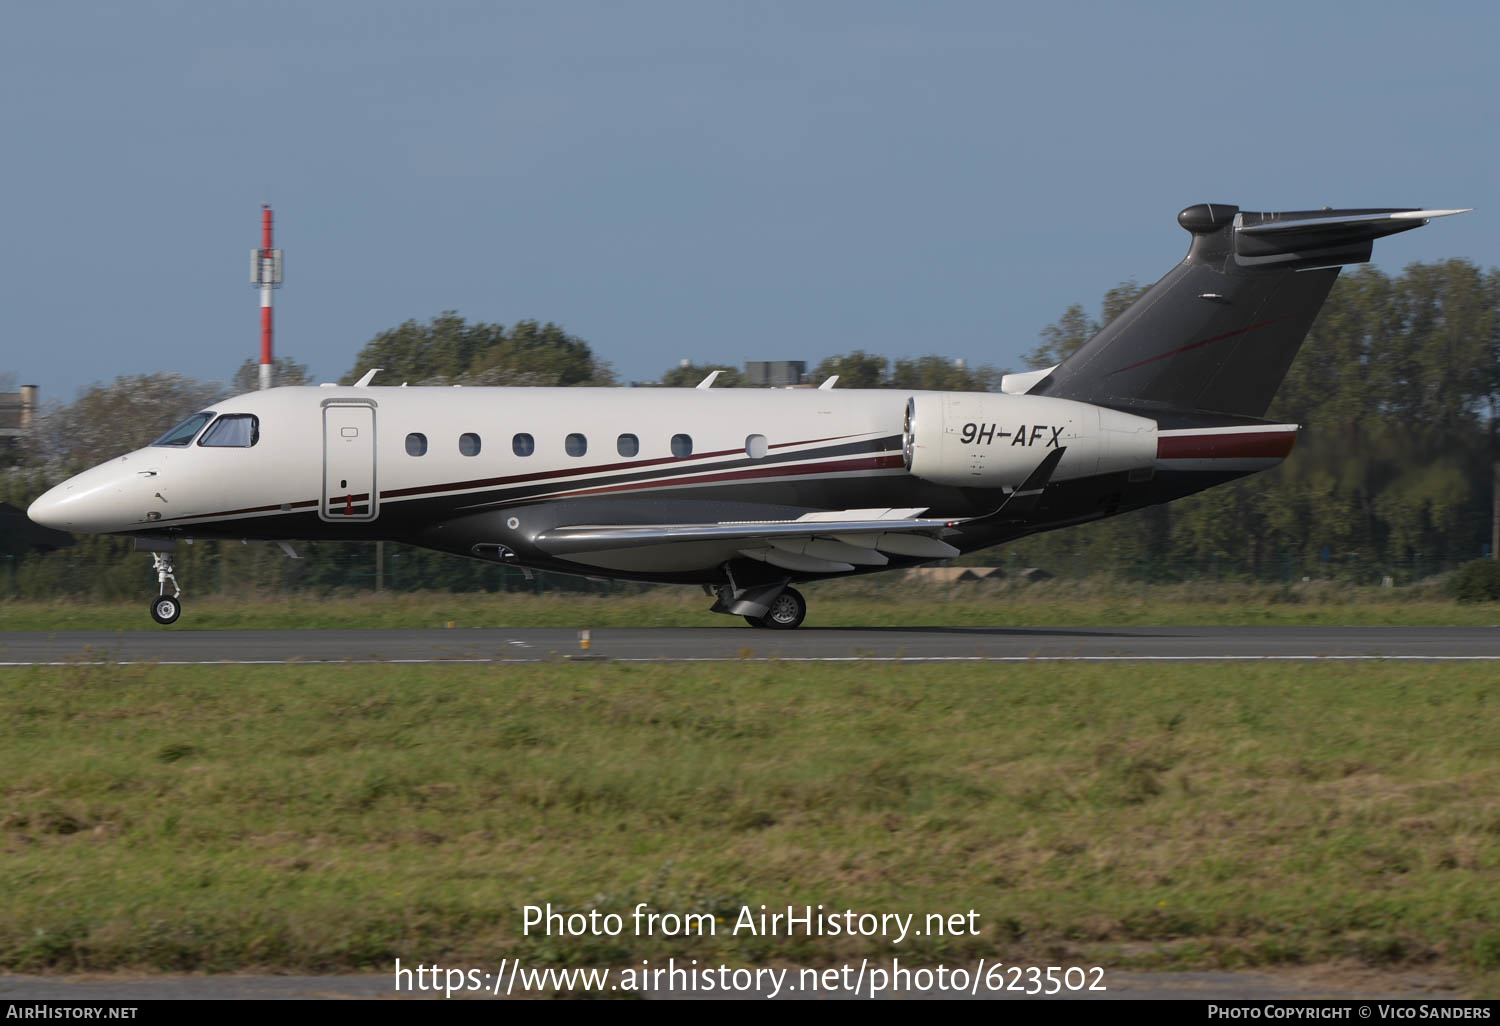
(832, 541)
(822, 542)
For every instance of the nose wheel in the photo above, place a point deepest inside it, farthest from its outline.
(165, 608)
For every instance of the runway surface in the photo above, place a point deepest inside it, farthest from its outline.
(668, 644)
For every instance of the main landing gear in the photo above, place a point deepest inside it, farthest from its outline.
(785, 613)
(769, 604)
(165, 608)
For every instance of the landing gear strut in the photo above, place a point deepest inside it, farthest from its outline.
(165, 608)
(770, 604)
(786, 612)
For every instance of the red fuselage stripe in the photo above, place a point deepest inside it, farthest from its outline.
(583, 471)
(1251, 445)
(455, 486)
(781, 470)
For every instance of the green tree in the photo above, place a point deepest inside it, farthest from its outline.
(691, 374)
(448, 350)
(285, 371)
(942, 374)
(1396, 391)
(858, 369)
(542, 354)
(1118, 299)
(107, 420)
(1065, 336)
(1442, 359)
(1062, 338)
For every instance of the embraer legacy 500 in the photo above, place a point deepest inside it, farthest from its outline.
(747, 492)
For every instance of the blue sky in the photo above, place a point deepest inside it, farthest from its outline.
(721, 181)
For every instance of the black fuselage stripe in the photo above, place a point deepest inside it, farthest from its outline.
(686, 473)
(699, 459)
(551, 482)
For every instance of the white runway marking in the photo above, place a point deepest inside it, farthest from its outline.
(773, 659)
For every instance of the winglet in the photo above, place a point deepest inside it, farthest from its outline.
(708, 382)
(369, 376)
(825, 386)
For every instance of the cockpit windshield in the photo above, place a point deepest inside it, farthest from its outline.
(237, 430)
(184, 433)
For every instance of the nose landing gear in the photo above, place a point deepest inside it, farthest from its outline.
(165, 608)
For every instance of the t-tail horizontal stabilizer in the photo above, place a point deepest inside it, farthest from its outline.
(1305, 239)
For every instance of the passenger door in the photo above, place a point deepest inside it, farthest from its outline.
(349, 487)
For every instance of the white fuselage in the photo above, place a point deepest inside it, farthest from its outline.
(505, 473)
(304, 458)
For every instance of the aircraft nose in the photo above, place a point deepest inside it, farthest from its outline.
(101, 499)
(47, 509)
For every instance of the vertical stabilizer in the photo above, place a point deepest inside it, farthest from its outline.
(1218, 333)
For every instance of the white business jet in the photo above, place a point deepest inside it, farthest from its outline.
(747, 492)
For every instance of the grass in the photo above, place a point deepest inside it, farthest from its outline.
(871, 602)
(333, 818)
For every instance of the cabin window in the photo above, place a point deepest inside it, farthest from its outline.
(755, 447)
(234, 431)
(628, 445)
(682, 445)
(468, 443)
(183, 433)
(416, 444)
(523, 444)
(576, 444)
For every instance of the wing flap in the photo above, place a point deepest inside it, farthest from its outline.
(797, 561)
(562, 541)
(827, 541)
(833, 550)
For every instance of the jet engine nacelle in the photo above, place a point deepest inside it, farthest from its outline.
(993, 440)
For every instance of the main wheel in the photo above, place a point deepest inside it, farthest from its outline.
(165, 609)
(786, 612)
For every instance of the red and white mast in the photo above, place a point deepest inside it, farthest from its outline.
(265, 271)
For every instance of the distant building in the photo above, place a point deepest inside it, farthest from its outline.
(775, 373)
(18, 412)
